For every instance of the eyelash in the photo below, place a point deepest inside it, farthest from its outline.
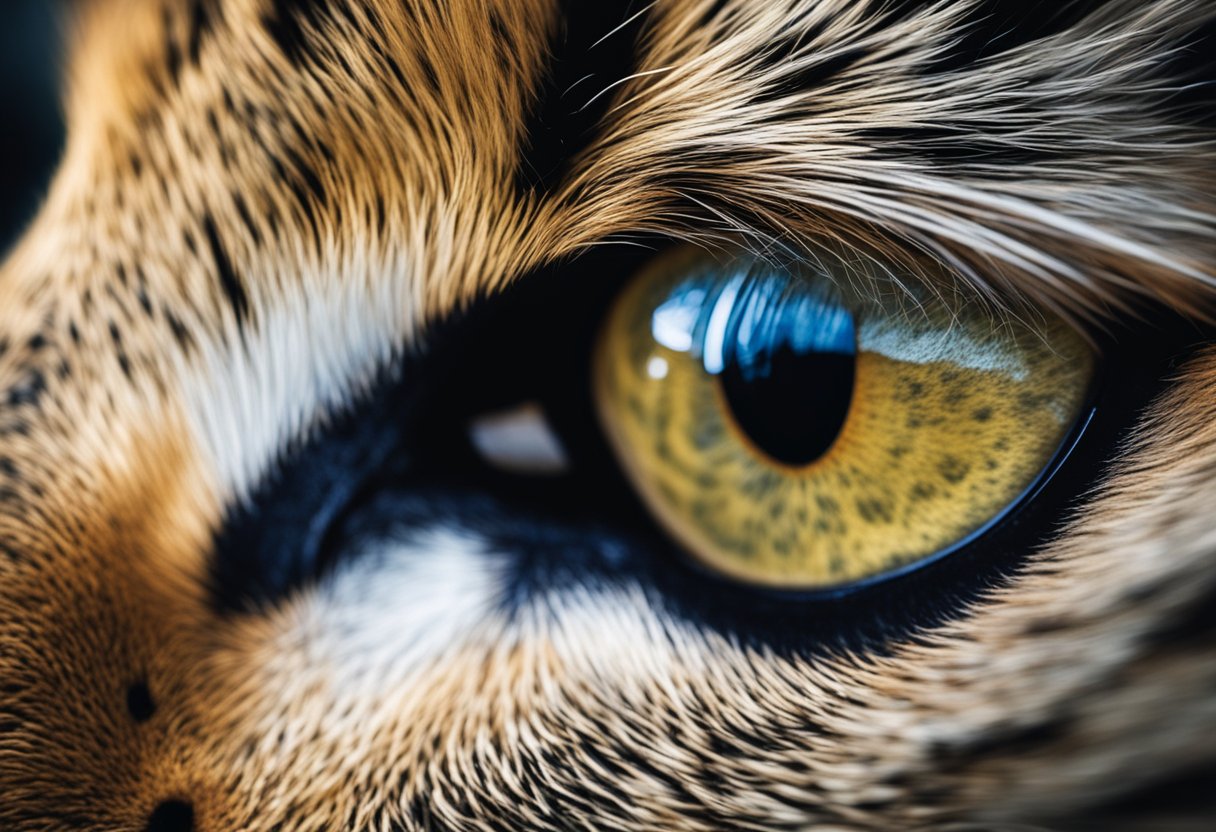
(533, 345)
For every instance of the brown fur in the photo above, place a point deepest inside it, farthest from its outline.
(144, 399)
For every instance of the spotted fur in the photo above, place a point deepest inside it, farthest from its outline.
(263, 203)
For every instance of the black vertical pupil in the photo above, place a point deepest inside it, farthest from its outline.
(795, 409)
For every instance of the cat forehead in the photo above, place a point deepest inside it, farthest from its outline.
(972, 134)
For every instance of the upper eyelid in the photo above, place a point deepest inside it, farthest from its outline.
(896, 279)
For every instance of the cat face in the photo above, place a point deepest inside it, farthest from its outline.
(341, 488)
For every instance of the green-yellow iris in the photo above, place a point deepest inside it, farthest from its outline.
(924, 423)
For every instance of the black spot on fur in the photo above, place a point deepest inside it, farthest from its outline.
(230, 282)
(145, 302)
(173, 50)
(180, 333)
(203, 13)
(381, 214)
(295, 24)
(116, 335)
(213, 123)
(305, 184)
(429, 73)
(393, 66)
(27, 391)
(120, 355)
(140, 704)
(172, 816)
(584, 62)
(287, 23)
(242, 210)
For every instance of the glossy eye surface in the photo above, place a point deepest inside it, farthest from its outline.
(792, 436)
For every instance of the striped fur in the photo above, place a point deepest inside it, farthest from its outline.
(264, 203)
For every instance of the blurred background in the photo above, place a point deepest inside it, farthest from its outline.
(31, 125)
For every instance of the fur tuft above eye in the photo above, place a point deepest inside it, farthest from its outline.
(1063, 159)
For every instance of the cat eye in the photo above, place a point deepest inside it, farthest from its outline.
(793, 435)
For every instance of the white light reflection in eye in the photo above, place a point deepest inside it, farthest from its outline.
(674, 323)
(714, 358)
(519, 440)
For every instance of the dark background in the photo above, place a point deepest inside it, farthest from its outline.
(31, 125)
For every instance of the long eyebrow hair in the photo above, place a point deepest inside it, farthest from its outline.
(1058, 153)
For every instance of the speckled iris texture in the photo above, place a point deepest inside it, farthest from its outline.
(955, 412)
